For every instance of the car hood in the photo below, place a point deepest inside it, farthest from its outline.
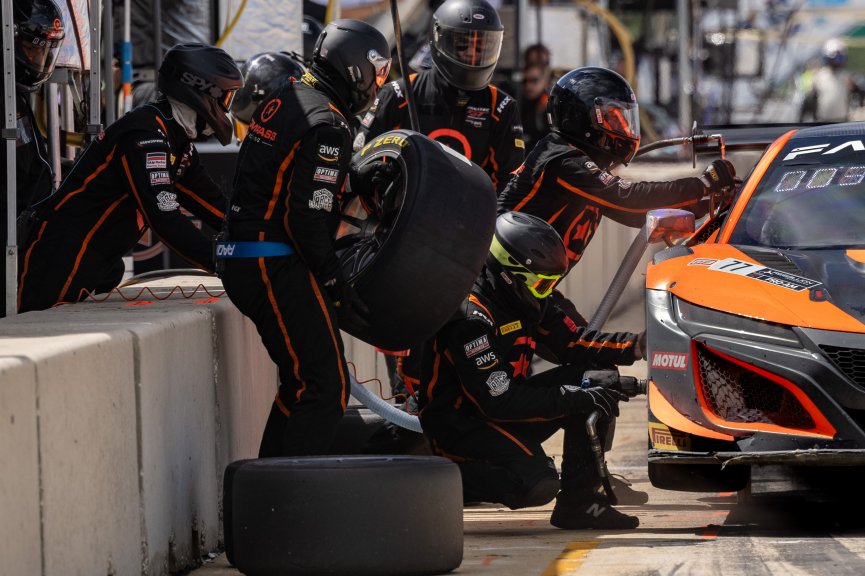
(822, 289)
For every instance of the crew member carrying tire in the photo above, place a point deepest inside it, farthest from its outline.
(479, 408)
(135, 175)
(280, 267)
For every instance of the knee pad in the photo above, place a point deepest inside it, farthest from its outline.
(540, 483)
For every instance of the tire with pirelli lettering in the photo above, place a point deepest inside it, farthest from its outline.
(359, 515)
(416, 257)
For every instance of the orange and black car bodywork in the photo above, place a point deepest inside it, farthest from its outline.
(756, 334)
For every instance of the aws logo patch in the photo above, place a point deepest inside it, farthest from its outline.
(328, 153)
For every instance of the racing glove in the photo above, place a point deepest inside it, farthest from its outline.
(587, 400)
(720, 177)
(350, 309)
(373, 177)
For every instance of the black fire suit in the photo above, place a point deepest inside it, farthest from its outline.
(288, 189)
(33, 173)
(479, 408)
(561, 184)
(484, 126)
(134, 175)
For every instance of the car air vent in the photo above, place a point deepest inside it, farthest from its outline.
(771, 259)
(737, 394)
(850, 361)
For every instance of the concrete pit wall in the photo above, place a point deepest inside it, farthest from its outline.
(120, 418)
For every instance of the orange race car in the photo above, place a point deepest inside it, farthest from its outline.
(756, 325)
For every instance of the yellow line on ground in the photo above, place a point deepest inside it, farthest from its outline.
(571, 558)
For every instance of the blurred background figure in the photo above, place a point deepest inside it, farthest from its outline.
(827, 90)
(533, 103)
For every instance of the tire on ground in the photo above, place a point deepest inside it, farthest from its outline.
(699, 477)
(358, 515)
(414, 271)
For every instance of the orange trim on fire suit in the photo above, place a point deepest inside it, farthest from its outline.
(206, 205)
(474, 300)
(661, 408)
(162, 124)
(822, 427)
(84, 245)
(89, 179)
(532, 193)
(277, 186)
(755, 178)
(27, 261)
(602, 202)
(510, 437)
(333, 338)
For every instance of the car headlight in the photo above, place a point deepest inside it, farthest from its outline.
(695, 319)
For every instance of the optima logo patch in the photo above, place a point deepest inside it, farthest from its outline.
(669, 361)
(476, 346)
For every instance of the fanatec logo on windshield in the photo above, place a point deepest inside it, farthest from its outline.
(854, 145)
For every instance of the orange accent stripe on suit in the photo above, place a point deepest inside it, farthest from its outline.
(602, 202)
(207, 205)
(161, 123)
(510, 436)
(272, 299)
(333, 338)
(277, 186)
(474, 300)
(27, 261)
(89, 179)
(529, 196)
(84, 245)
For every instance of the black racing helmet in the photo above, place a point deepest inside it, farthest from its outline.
(262, 75)
(39, 33)
(529, 253)
(467, 40)
(352, 54)
(311, 29)
(596, 109)
(204, 78)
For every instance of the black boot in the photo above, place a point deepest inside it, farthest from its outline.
(588, 511)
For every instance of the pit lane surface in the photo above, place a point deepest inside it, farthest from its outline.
(780, 531)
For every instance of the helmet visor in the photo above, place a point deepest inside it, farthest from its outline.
(477, 48)
(227, 99)
(381, 65)
(617, 118)
(39, 54)
(541, 285)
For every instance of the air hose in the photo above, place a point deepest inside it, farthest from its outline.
(383, 409)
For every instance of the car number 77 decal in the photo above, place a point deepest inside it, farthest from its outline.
(764, 274)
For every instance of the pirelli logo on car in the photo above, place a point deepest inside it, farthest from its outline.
(669, 360)
(664, 438)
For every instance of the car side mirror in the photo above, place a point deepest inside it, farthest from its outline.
(668, 224)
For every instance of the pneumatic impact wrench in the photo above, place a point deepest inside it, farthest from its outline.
(611, 379)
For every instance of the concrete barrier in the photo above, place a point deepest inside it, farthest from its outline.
(121, 417)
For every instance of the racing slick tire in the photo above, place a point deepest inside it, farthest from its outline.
(358, 515)
(415, 257)
(699, 477)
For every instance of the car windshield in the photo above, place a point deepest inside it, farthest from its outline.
(812, 197)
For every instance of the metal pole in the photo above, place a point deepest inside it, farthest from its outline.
(157, 35)
(10, 135)
(685, 80)
(620, 280)
(53, 119)
(94, 125)
(108, 61)
(409, 97)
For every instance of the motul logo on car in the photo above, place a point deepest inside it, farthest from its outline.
(669, 360)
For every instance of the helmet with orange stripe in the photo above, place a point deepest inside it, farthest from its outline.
(596, 110)
(467, 40)
(39, 33)
(528, 255)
